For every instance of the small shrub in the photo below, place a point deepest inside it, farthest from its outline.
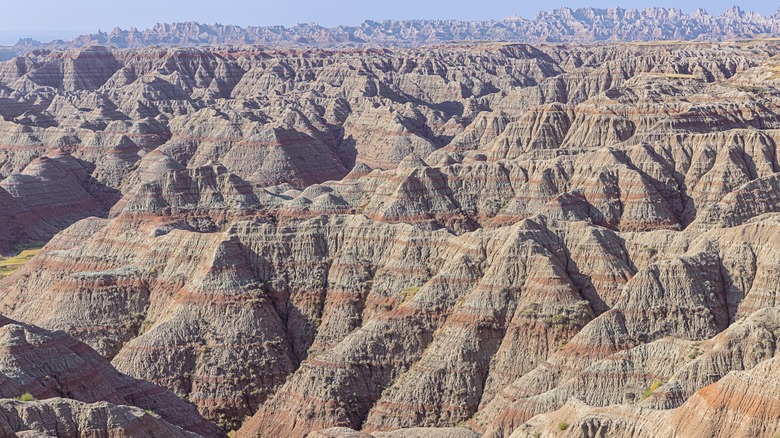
(409, 293)
(563, 425)
(532, 310)
(749, 89)
(657, 384)
(558, 320)
(26, 397)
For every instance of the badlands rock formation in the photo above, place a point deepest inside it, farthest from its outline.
(558, 25)
(72, 419)
(96, 400)
(467, 240)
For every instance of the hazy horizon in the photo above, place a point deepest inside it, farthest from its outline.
(87, 16)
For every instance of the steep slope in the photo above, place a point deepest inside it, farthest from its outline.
(66, 418)
(742, 404)
(47, 196)
(48, 365)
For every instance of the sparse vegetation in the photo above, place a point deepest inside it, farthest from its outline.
(26, 397)
(659, 42)
(145, 326)
(749, 89)
(671, 75)
(562, 318)
(563, 426)
(776, 75)
(657, 384)
(409, 293)
(31, 245)
(24, 254)
(557, 319)
(134, 320)
(225, 423)
(532, 310)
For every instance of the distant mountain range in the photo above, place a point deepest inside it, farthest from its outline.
(559, 25)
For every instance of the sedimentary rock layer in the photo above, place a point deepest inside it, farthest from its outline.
(48, 365)
(66, 418)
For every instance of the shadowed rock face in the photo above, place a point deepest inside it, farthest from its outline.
(48, 365)
(454, 241)
(68, 418)
(47, 196)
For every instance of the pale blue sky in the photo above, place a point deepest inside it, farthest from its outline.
(47, 19)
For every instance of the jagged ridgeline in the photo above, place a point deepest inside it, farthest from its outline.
(559, 25)
(469, 240)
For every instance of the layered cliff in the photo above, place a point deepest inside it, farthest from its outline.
(83, 393)
(69, 418)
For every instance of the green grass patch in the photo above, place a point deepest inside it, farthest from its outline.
(409, 293)
(9, 265)
(695, 352)
(657, 384)
(563, 425)
(26, 397)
